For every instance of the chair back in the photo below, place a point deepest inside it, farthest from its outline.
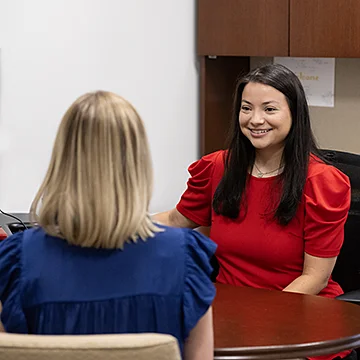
(347, 268)
(89, 347)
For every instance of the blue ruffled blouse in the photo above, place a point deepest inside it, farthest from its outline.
(161, 285)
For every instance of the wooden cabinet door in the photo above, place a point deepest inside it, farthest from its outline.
(325, 28)
(243, 27)
(217, 85)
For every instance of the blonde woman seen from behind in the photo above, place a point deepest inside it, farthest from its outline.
(96, 263)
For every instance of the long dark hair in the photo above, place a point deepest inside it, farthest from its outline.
(230, 195)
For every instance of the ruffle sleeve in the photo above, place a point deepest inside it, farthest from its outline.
(199, 291)
(12, 316)
(327, 202)
(196, 201)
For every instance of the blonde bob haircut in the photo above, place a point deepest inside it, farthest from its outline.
(98, 185)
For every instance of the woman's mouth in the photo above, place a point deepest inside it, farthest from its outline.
(259, 133)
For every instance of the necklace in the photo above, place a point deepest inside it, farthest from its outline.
(260, 173)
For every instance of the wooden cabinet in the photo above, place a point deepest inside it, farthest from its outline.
(233, 30)
(229, 32)
(325, 28)
(304, 28)
(243, 27)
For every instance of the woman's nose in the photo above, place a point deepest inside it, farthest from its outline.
(257, 118)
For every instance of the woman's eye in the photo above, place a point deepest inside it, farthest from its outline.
(270, 110)
(245, 108)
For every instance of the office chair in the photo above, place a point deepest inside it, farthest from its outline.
(347, 268)
(89, 347)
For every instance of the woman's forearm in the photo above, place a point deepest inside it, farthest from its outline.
(174, 218)
(162, 218)
(307, 284)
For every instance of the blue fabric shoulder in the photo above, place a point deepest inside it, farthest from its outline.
(12, 315)
(199, 290)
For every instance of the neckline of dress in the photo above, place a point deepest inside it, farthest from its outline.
(264, 178)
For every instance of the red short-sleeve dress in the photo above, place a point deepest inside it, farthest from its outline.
(256, 251)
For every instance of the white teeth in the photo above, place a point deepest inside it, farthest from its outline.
(260, 131)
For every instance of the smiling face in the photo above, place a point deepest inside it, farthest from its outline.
(264, 117)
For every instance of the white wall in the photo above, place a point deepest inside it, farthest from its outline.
(52, 51)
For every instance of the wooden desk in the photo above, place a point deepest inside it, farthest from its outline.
(263, 324)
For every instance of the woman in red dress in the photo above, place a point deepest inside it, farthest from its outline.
(276, 209)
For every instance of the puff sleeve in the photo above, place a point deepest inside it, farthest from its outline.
(327, 202)
(12, 315)
(199, 291)
(196, 201)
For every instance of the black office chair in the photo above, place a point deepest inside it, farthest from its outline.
(347, 268)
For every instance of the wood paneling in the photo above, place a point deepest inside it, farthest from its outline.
(217, 84)
(325, 28)
(243, 27)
